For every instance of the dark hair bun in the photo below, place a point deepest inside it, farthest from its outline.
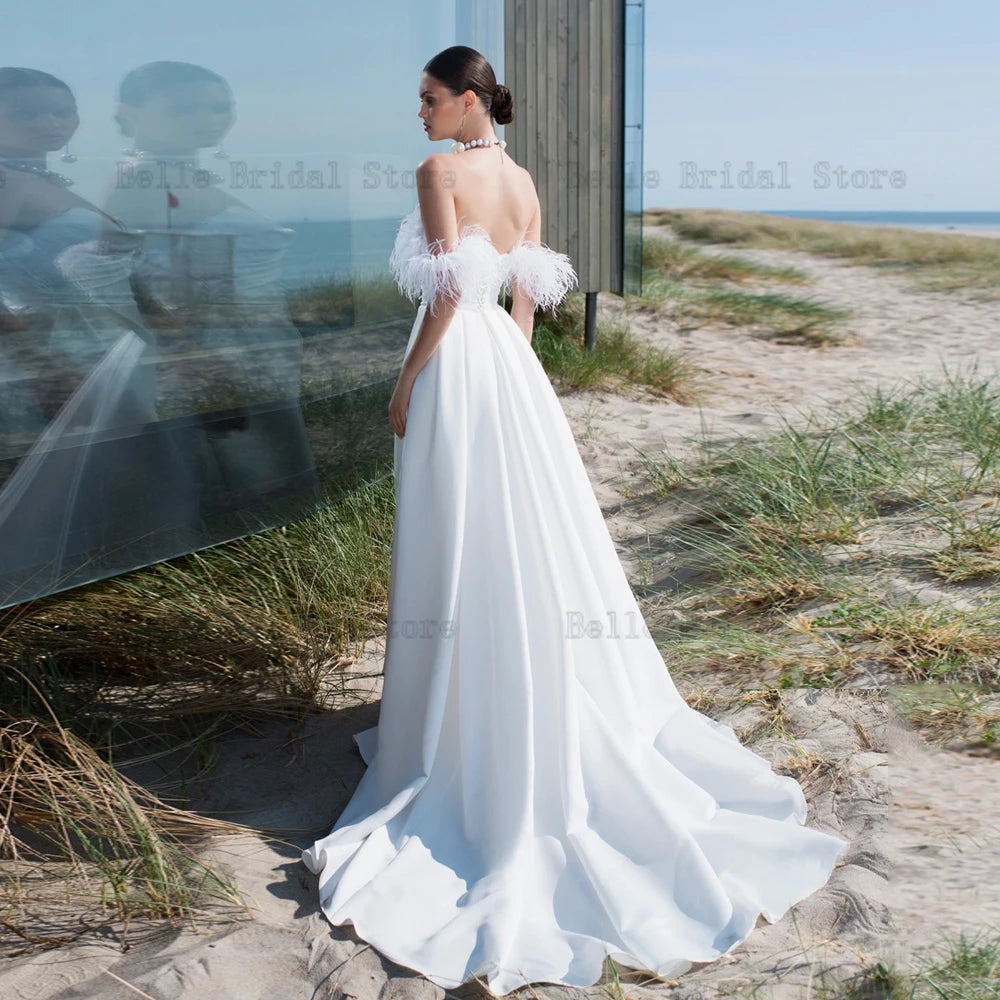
(502, 108)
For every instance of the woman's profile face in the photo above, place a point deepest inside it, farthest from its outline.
(440, 109)
(187, 116)
(36, 120)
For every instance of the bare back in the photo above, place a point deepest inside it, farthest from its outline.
(490, 190)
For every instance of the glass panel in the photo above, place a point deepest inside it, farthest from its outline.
(635, 15)
(199, 336)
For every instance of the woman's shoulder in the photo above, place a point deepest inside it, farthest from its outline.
(443, 164)
(436, 166)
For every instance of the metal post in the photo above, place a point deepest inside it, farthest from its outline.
(590, 322)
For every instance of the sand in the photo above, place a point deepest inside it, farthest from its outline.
(924, 823)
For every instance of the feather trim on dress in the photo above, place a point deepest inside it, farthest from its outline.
(474, 270)
(541, 273)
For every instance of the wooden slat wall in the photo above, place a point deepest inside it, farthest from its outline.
(564, 65)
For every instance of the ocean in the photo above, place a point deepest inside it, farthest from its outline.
(337, 249)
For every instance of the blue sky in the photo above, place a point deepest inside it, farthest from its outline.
(911, 88)
(878, 85)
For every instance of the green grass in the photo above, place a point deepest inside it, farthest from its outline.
(683, 262)
(780, 542)
(960, 966)
(951, 713)
(925, 641)
(761, 514)
(777, 316)
(935, 261)
(973, 549)
(156, 663)
(261, 617)
(693, 288)
(337, 303)
(618, 359)
(966, 966)
(780, 657)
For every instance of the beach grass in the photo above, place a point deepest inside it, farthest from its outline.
(955, 713)
(694, 288)
(944, 262)
(338, 303)
(808, 554)
(965, 966)
(924, 642)
(618, 359)
(962, 966)
(72, 820)
(261, 618)
(683, 262)
(973, 550)
(156, 664)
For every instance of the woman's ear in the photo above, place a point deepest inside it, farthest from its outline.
(469, 100)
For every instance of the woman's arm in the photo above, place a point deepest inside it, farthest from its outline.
(522, 308)
(437, 212)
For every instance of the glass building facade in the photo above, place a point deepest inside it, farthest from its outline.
(198, 335)
(635, 41)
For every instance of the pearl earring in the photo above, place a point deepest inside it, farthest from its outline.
(67, 156)
(220, 153)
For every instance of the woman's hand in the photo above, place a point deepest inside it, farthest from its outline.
(400, 402)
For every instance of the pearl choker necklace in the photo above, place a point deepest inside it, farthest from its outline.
(34, 168)
(458, 147)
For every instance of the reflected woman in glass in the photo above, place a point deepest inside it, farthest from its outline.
(208, 280)
(88, 483)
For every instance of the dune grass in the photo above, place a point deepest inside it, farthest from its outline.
(618, 359)
(70, 817)
(934, 261)
(973, 550)
(962, 966)
(336, 303)
(800, 550)
(157, 662)
(953, 713)
(683, 262)
(926, 642)
(262, 617)
(694, 288)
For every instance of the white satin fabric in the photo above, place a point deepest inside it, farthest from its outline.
(538, 794)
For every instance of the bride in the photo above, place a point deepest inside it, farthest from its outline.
(538, 796)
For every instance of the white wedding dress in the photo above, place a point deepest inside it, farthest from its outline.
(538, 793)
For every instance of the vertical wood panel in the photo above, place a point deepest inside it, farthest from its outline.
(549, 109)
(562, 209)
(583, 127)
(565, 64)
(571, 223)
(596, 146)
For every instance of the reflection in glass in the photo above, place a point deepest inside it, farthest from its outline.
(153, 379)
(86, 471)
(635, 29)
(208, 280)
